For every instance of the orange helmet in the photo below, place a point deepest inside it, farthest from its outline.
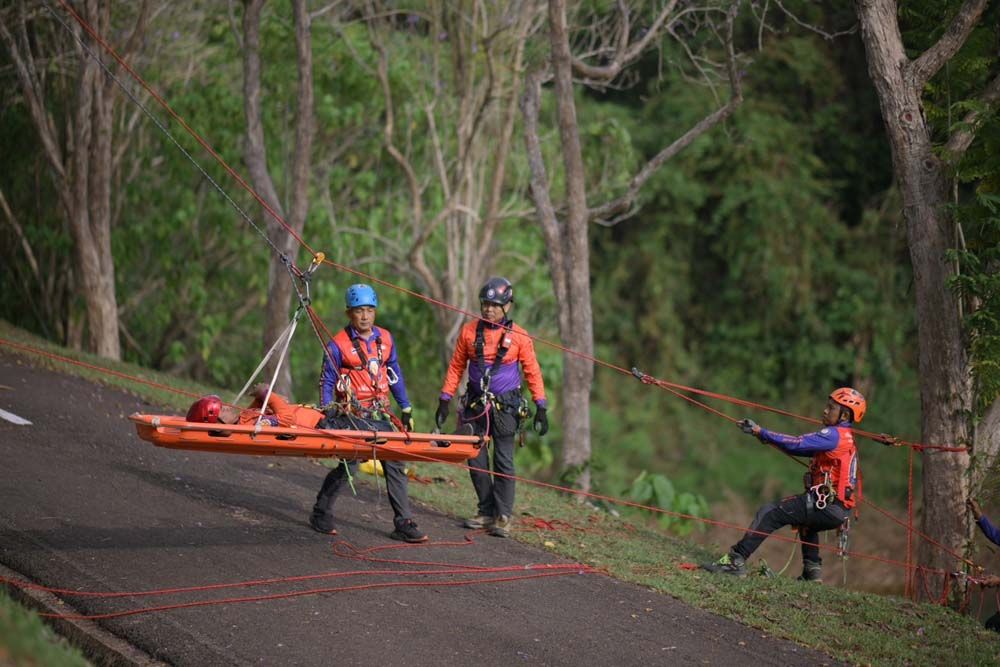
(852, 400)
(205, 410)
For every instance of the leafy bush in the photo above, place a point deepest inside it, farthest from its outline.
(658, 491)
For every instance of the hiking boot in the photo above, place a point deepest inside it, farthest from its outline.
(501, 526)
(479, 521)
(332, 530)
(811, 571)
(407, 531)
(731, 563)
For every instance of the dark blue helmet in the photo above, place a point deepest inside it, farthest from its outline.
(361, 295)
(497, 290)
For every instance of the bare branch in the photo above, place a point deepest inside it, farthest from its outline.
(623, 207)
(530, 103)
(415, 254)
(625, 53)
(829, 36)
(934, 58)
(137, 297)
(506, 132)
(325, 9)
(19, 232)
(234, 25)
(33, 91)
(960, 141)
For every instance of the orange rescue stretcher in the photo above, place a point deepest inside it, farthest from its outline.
(177, 433)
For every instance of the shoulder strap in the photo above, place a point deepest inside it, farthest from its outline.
(501, 349)
(360, 349)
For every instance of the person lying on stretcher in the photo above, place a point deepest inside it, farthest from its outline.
(211, 410)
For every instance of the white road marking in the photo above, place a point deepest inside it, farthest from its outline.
(14, 419)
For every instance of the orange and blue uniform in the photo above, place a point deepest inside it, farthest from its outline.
(368, 368)
(360, 373)
(520, 353)
(834, 468)
(833, 453)
(495, 353)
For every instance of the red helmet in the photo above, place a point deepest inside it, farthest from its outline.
(852, 400)
(205, 410)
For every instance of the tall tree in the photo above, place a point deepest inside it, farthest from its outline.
(464, 98)
(567, 239)
(80, 144)
(946, 390)
(279, 285)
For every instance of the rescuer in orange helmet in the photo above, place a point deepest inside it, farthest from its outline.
(833, 486)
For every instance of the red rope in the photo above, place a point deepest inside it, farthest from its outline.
(532, 482)
(674, 388)
(341, 549)
(316, 591)
(278, 218)
(909, 525)
(176, 116)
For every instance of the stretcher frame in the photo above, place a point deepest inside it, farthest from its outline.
(175, 432)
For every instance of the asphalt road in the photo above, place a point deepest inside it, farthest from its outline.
(86, 505)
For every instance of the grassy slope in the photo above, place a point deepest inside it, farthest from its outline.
(854, 627)
(26, 641)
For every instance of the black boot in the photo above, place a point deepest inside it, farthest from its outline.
(811, 571)
(731, 563)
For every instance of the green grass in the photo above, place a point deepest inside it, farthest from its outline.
(151, 393)
(860, 628)
(26, 641)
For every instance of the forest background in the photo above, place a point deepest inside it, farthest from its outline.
(768, 260)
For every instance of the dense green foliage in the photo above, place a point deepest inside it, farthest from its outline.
(768, 260)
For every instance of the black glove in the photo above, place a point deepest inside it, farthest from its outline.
(747, 426)
(541, 424)
(441, 416)
(406, 416)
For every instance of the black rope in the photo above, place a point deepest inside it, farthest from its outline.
(165, 131)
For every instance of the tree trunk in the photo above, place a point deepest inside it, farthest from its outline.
(576, 329)
(279, 283)
(82, 173)
(945, 385)
(567, 241)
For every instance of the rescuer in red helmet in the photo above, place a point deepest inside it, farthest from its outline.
(833, 486)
